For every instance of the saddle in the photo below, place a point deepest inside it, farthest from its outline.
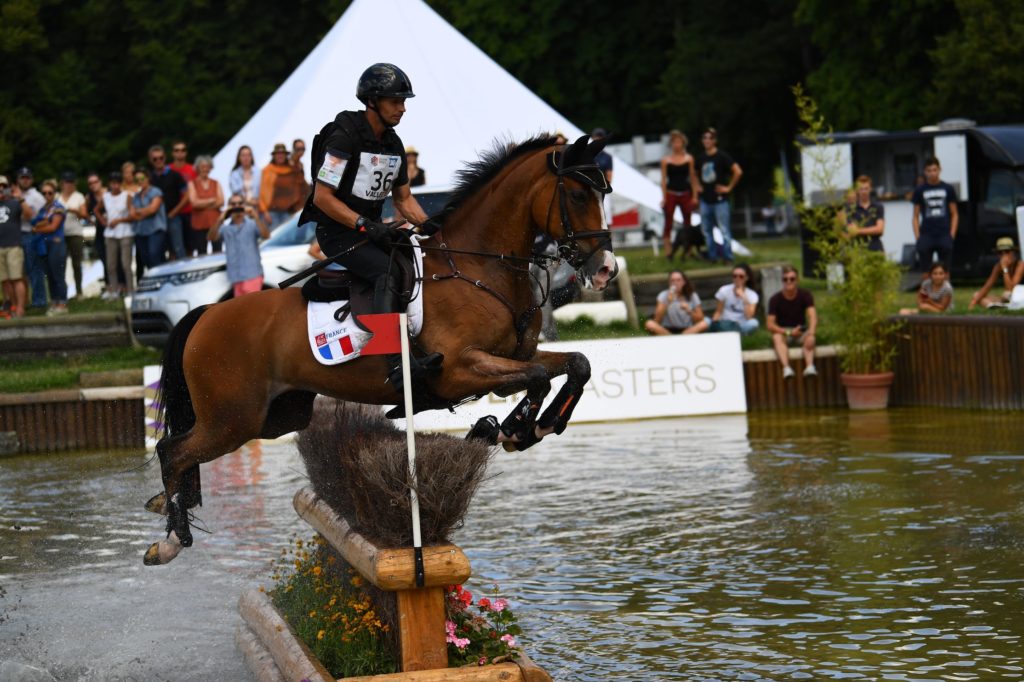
(336, 284)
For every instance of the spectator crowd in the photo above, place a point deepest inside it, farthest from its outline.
(141, 217)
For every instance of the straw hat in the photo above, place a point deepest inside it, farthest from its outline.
(1005, 244)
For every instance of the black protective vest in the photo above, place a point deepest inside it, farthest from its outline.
(364, 184)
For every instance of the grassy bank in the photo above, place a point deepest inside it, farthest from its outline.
(43, 374)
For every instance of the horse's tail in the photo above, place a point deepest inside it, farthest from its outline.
(176, 412)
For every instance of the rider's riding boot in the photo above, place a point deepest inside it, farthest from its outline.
(385, 300)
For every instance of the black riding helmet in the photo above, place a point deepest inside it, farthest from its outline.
(383, 80)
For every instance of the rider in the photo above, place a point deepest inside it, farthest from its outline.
(358, 159)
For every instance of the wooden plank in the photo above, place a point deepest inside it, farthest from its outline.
(293, 658)
(421, 633)
(389, 569)
(257, 657)
(502, 672)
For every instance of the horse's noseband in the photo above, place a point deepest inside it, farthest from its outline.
(590, 175)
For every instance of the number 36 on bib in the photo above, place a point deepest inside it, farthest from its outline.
(376, 174)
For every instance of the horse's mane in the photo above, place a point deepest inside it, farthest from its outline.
(472, 179)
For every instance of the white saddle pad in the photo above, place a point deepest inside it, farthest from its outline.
(334, 342)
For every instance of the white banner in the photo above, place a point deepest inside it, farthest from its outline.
(633, 378)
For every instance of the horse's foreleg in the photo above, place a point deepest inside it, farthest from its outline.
(481, 373)
(577, 368)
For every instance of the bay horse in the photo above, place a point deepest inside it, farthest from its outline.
(243, 369)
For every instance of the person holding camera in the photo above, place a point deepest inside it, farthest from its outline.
(240, 228)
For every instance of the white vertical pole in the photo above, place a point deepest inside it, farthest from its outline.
(410, 439)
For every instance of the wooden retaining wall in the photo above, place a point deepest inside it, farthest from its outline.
(767, 390)
(86, 419)
(961, 361)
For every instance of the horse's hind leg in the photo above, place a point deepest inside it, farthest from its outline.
(290, 411)
(180, 457)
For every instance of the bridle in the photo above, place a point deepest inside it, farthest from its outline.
(590, 175)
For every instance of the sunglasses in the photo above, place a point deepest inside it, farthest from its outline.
(4, 184)
(157, 158)
(299, 149)
(48, 192)
(739, 276)
(789, 279)
(180, 149)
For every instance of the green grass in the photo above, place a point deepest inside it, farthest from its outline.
(84, 305)
(42, 374)
(642, 261)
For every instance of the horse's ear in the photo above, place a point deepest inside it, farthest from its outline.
(575, 154)
(594, 148)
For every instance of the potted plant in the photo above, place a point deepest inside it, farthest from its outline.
(864, 282)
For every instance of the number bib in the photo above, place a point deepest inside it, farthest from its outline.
(375, 176)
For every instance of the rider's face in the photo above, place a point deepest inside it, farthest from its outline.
(391, 109)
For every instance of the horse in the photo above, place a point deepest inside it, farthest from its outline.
(243, 369)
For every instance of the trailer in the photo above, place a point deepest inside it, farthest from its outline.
(984, 163)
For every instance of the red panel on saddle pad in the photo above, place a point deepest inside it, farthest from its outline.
(386, 338)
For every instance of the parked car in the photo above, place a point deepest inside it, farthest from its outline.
(169, 291)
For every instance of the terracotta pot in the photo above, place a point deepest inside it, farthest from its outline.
(867, 391)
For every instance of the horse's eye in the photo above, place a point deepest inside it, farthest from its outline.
(578, 196)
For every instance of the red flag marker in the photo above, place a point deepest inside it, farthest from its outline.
(386, 335)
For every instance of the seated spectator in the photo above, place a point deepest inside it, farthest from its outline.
(678, 310)
(737, 304)
(935, 294)
(792, 321)
(240, 228)
(1009, 270)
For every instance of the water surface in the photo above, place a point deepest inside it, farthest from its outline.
(813, 545)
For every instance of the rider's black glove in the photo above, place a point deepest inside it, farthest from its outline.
(381, 235)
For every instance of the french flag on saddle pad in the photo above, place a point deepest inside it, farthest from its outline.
(334, 348)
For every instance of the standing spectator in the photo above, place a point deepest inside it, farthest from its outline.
(181, 166)
(12, 254)
(50, 249)
(935, 231)
(678, 310)
(793, 321)
(935, 294)
(128, 183)
(737, 304)
(298, 150)
(280, 188)
(714, 177)
(174, 198)
(245, 178)
(98, 216)
(119, 237)
(206, 197)
(417, 175)
(75, 212)
(1009, 270)
(240, 227)
(146, 210)
(676, 191)
(866, 222)
(605, 163)
(34, 273)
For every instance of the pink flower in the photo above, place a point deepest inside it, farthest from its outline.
(498, 605)
(484, 603)
(508, 639)
(482, 661)
(450, 627)
(461, 642)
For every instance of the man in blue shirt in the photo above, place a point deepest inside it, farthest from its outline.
(935, 217)
(240, 228)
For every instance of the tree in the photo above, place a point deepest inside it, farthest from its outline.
(977, 65)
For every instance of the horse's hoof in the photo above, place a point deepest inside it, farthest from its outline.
(157, 504)
(152, 556)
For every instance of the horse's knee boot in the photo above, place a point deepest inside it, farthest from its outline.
(519, 424)
(177, 521)
(485, 429)
(560, 410)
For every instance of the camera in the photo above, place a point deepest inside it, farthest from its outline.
(236, 209)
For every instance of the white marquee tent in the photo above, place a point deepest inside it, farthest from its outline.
(464, 99)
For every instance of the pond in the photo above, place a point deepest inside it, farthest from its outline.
(784, 545)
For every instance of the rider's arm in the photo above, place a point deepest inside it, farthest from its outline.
(407, 205)
(324, 199)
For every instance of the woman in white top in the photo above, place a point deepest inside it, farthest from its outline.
(737, 304)
(119, 237)
(74, 202)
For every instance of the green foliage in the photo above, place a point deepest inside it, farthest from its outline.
(329, 611)
(977, 64)
(867, 289)
(43, 374)
(479, 632)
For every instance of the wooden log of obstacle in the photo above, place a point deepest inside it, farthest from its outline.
(257, 656)
(293, 658)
